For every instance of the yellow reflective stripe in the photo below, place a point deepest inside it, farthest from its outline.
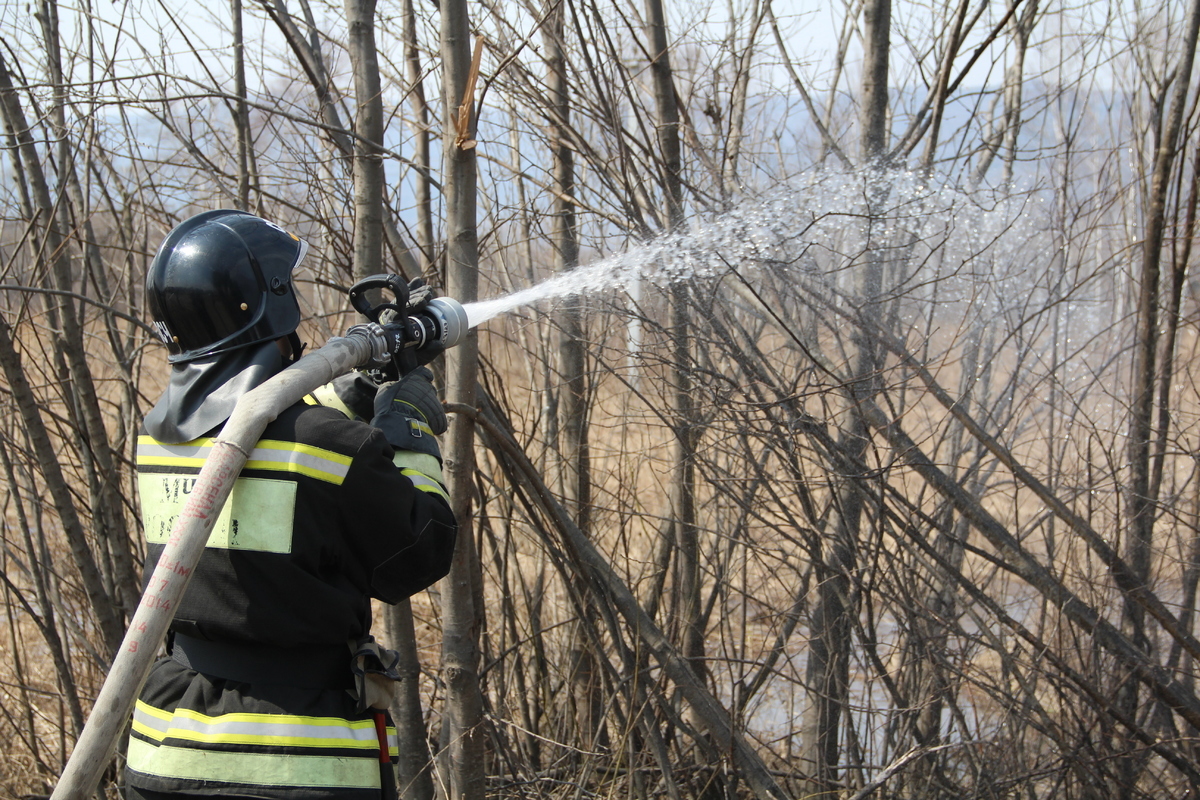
(416, 416)
(150, 721)
(142, 707)
(270, 730)
(326, 396)
(263, 769)
(421, 462)
(156, 454)
(279, 730)
(425, 484)
(307, 460)
(424, 470)
(268, 454)
(421, 426)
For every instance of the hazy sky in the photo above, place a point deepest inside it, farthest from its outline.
(137, 30)
(146, 34)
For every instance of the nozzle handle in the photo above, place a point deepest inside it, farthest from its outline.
(361, 300)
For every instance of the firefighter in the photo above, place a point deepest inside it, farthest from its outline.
(274, 687)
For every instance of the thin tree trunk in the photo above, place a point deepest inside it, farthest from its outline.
(81, 396)
(313, 64)
(462, 612)
(309, 54)
(1014, 86)
(573, 457)
(683, 478)
(877, 22)
(941, 92)
(828, 667)
(923, 678)
(1140, 503)
(1006, 138)
(241, 116)
(368, 127)
(1191, 566)
(47, 624)
(573, 407)
(423, 185)
(737, 102)
(107, 614)
(413, 774)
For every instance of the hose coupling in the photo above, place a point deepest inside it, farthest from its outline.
(376, 337)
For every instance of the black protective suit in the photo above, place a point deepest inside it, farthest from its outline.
(264, 695)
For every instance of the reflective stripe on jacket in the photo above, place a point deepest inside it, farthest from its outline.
(191, 730)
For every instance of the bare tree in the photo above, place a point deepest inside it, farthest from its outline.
(683, 416)
(49, 245)
(423, 183)
(462, 609)
(1141, 498)
(368, 129)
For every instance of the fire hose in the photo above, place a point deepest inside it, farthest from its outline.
(387, 347)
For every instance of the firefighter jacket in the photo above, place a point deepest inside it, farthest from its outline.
(258, 698)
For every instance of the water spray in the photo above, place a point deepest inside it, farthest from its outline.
(810, 232)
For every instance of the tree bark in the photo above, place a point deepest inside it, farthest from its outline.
(827, 672)
(241, 114)
(423, 185)
(1140, 503)
(877, 22)
(368, 127)
(462, 614)
(574, 454)
(682, 489)
(413, 774)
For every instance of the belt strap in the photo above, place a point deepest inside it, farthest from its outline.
(310, 667)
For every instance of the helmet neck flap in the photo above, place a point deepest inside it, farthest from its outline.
(202, 392)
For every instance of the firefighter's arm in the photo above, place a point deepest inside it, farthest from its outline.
(410, 416)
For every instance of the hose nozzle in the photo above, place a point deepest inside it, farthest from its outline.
(442, 319)
(411, 335)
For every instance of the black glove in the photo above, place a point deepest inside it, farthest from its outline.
(410, 414)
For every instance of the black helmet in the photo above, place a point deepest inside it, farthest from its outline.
(223, 280)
